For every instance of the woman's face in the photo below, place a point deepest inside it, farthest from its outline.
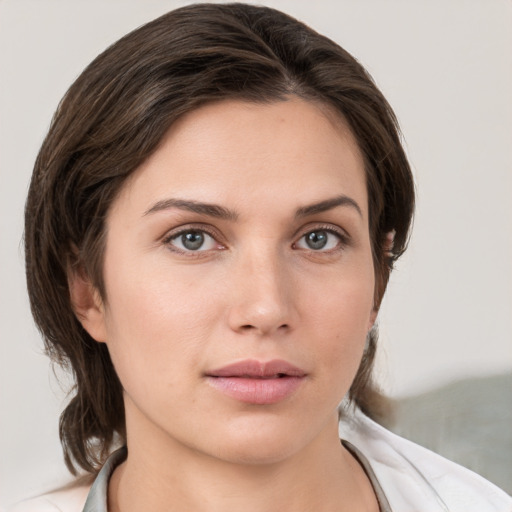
(239, 282)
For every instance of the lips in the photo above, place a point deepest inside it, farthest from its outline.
(257, 382)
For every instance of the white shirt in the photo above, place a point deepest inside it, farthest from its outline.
(405, 476)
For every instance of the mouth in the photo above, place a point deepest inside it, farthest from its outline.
(256, 382)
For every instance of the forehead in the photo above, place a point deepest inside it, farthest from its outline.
(238, 152)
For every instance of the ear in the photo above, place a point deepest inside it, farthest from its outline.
(389, 243)
(86, 302)
(372, 319)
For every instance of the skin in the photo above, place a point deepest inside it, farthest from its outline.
(254, 290)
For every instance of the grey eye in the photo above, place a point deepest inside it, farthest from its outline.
(321, 239)
(193, 240)
(316, 239)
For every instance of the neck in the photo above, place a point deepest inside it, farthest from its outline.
(163, 476)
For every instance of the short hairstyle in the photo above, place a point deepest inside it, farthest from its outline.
(112, 119)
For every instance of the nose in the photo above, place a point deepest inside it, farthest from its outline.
(262, 296)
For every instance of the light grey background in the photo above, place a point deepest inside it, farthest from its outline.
(444, 65)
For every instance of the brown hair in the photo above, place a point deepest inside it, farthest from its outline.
(114, 116)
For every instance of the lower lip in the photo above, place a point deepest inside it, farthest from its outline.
(256, 391)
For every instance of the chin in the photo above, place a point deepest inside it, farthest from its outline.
(262, 442)
(258, 453)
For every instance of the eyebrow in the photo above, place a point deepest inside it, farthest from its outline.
(212, 210)
(221, 212)
(328, 204)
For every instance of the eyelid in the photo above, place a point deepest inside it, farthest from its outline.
(343, 236)
(331, 228)
(185, 228)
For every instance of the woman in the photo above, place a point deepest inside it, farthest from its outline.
(210, 228)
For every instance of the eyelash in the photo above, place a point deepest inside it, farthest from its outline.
(176, 234)
(343, 239)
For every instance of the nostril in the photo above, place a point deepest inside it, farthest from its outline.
(250, 327)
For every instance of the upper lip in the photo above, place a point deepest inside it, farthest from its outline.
(251, 368)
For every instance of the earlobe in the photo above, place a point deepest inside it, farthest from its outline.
(389, 243)
(388, 251)
(86, 302)
(372, 319)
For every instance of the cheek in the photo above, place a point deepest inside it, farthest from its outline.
(148, 295)
(340, 317)
(343, 302)
(156, 325)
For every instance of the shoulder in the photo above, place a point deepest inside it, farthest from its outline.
(68, 499)
(411, 475)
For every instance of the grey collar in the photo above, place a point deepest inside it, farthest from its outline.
(97, 499)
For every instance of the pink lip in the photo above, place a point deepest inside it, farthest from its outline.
(256, 382)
